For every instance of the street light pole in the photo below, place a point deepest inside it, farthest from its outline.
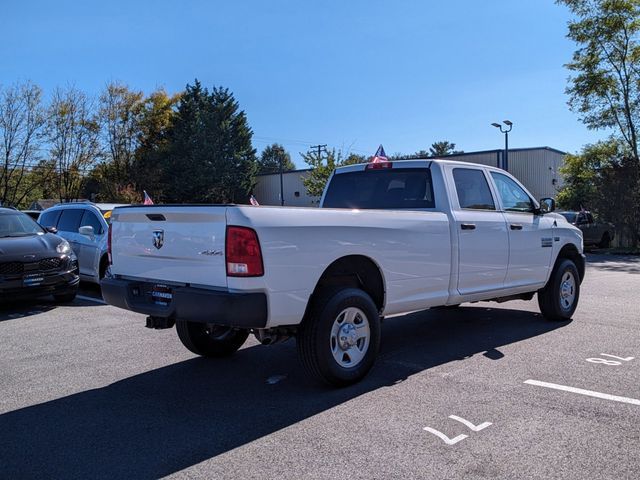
(281, 185)
(508, 123)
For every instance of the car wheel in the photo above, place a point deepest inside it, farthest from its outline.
(210, 340)
(605, 242)
(339, 340)
(559, 298)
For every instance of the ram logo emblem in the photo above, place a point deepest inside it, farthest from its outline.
(158, 238)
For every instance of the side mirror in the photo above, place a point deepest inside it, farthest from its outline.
(547, 205)
(51, 229)
(87, 230)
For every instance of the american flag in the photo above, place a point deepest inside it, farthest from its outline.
(253, 201)
(380, 156)
(147, 199)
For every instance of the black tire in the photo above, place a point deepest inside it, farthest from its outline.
(210, 340)
(104, 264)
(605, 242)
(558, 300)
(65, 297)
(317, 344)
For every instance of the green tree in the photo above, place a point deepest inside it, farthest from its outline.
(22, 121)
(323, 165)
(120, 114)
(272, 157)
(210, 156)
(602, 179)
(73, 135)
(604, 90)
(157, 118)
(441, 149)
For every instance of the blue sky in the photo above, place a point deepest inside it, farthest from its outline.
(351, 74)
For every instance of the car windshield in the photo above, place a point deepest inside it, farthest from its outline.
(570, 216)
(18, 225)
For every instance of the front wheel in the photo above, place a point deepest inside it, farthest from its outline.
(559, 298)
(339, 341)
(210, 340)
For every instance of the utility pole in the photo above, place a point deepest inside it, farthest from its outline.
(320, 149)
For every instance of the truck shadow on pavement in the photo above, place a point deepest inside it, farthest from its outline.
(165, 420)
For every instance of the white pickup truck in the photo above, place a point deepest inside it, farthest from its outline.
(389, 238)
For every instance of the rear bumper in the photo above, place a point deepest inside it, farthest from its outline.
(221, 307)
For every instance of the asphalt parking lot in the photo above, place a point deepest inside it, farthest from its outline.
(484, 391)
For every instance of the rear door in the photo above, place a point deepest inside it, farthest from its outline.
(483, 241)
(530, 236)
(172, 244)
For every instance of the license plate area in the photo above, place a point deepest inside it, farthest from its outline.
(161, 294)
(33, 279)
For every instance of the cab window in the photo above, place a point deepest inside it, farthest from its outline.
(473, 189)
(514, 198)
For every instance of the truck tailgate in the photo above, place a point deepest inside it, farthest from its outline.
(176, 244)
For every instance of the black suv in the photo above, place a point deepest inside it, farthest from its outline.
(34, 262)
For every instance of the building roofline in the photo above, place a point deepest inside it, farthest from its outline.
(284, 173)
(498, 150)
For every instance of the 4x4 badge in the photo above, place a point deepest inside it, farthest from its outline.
(158, 238)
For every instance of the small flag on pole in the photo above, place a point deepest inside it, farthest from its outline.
(253, 201)
(380, 156)
(147, 199)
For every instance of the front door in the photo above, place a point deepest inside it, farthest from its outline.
(530, 236)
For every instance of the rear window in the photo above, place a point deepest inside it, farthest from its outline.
(70, 220)
(381, 189)
(473, 189)
(49, 219)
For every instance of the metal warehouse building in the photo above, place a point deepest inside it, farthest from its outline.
(537, 168)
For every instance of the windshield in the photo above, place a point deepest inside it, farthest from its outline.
(570, 216)
(18, 225)
(408, 188)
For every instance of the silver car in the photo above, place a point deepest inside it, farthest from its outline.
(85, 226)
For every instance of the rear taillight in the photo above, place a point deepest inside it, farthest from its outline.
(109, 245)
(243, 254)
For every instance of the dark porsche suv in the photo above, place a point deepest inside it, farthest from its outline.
(34, 262)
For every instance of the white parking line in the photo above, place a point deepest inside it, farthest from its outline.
(91, 299)
(589, 393)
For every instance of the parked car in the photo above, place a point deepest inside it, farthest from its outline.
(84, 226)
(595, 233)
(34, 262)
(389, 238)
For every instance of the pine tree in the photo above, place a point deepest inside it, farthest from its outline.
(210, 156)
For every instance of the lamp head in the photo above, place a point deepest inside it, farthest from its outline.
(497, 125)
(508, 122)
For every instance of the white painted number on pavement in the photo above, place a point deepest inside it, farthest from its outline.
(444, 438)
(603, 361)
(454, 440)
(475, 428)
